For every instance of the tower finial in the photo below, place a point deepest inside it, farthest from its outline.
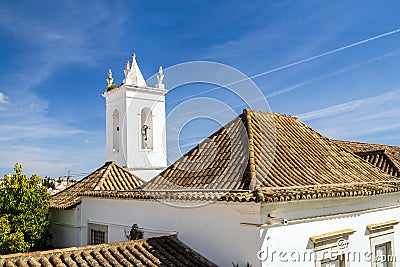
(133, 76)
(160, 78)
(109, 79)
(134, 63)
(133, 57)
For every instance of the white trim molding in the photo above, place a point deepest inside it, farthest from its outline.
(331, 246)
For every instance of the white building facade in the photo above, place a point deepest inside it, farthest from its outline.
(226, 232)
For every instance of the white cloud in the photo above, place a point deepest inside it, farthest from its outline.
(3, 98)
(52, 161)
(3, 101)
(349, 106)
(371, 119)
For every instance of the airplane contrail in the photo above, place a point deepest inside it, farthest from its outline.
(293, 87)
(328, 53)
(300, 61)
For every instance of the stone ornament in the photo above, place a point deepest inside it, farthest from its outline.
(160, 78)
(110, 79)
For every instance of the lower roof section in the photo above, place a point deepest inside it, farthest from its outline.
(158, 251)
(110, 176)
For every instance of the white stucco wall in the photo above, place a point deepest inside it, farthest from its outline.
(129, 101)
(236, 232)
(214, 230)
(65, 227)
(114, 102)
(283, 244)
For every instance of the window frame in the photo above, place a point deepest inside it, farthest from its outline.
(146, 117)
(98, 228)
(382, 234)
(341, 260)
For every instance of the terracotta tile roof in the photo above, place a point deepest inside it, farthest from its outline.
(110, 176)
(219, 162)
(296, 156)
(303, 157)
(262, 156)
(385, 157)
(160, 251)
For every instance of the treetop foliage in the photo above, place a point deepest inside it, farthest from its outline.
(24, 206)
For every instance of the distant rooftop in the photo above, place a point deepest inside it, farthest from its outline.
(385, 157)
(108, 177)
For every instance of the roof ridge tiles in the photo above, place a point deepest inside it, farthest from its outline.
(364, 143)
(252, 164)
(270, 112)
(100, 180)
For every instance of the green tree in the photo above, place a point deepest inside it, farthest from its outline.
(24, 206)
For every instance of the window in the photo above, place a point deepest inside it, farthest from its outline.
(98, 234)
(116, 131)
(338, 262)
(330, 248)
(97, 237)
(146, 128)
(381, 236)
(383, 253)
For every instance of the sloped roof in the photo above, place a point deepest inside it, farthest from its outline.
(219, 162)
(110, 176)
(282, 152)
(160, 251)
(385, 157)
(261, 156)
(303, 157)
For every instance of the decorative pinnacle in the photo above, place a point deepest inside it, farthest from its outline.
(133, 76)
(109, 79)
(133, 59)
(160, 78)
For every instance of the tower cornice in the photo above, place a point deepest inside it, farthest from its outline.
(133, 88)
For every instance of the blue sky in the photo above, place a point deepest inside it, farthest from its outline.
(55, 55)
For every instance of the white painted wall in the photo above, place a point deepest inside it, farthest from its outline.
(305, 221)
(130, 100)
(213, 230)
(115, 101)
(231, 232)
(65, 226)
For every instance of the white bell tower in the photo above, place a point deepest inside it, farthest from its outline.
(135, 122)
